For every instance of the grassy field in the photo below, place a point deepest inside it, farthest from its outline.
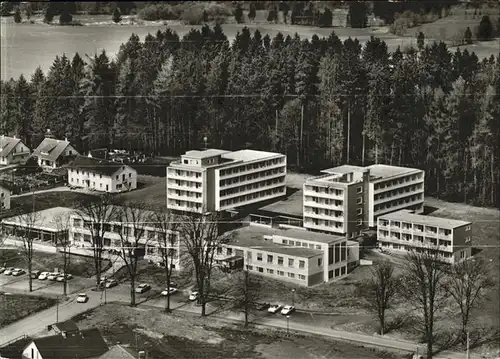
(189, 336)
(15, 307)
(79, 265)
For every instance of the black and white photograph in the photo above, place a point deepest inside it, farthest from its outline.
(250, 179)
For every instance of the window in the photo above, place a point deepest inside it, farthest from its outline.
(229, 251)
(107, 187)
(270, 271)
(330, 274)
(116, 176)
(292, 243)
(320, 262)
(359, 211)
(359, 200)
(337, 272)
(219, 250)
(359, 190)
(337, 253)
(343, 251)
(260, 269)
(290, 262)
(259, 256)
(281, 273)
(318, 246)
(467, 239)
(250, 267)
(342, 271)
(302, 277)
(467, 228)
(129, 175)
(302, 264)
(269, 258)
(291, 275)
(360, 222)
(77, 222)
(330, 255)
(280, 261)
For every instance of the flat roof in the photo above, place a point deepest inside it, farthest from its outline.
(407, 216)
(344, 169)
(249, 155)
(205, 153)
(384, 171)
(45, 220)
(291, 205)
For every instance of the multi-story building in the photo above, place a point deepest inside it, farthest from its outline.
(12, 150)
(118, 232)
(404, 231)
(4, 196)
(347, 199)
(218, 180)
(101, 175)
(53, 153)
(293, 255)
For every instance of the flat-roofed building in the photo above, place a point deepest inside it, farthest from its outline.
(347, 199)
(293, 255)
(404, 231)
(218, 180)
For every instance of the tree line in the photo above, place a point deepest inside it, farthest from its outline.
(320, 101)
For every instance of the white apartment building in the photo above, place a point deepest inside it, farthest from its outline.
(347, 199)
(293, 255)
(4, 197)
(116, 232)
(101, 175)
(403, 231)
(13, 150)
(217, 180)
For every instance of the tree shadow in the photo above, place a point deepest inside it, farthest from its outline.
(476, 251)
(446, 340)
(429, 209)
(483, 337)
(399, 322)
(290, 191)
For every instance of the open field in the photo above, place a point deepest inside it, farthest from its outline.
(209, 338)
(21, 43)
(79, 265)
(15, 307)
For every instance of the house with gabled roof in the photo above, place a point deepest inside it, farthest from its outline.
(101, 175)
(53, 153)
(82, 344)
(13, 150)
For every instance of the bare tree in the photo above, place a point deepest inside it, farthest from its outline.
(26, 231)
(467, 284)
(201, 237)
(247, 293)
(133, 239)
(380, 291)
(61, 241)
(423, 286)
(96, 217)
(168, 245)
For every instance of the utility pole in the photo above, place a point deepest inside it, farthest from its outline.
(468, 344)
(105, 286)
(301, 128)
(276, 132)
(287, 325)
(57, 310)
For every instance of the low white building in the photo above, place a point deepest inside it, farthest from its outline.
(53, 153)
(12, 151)
(4, 197)
(101, 175)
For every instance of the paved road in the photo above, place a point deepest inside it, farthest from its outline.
(55, 189)
(300, 321)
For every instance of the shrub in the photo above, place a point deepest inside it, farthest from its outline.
(192, 15)
(157, 12)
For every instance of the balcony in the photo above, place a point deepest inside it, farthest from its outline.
(322, 227)
(185, 197)
(191, 188)
(252, 181)
(254, 190)
(23, 153)
(185, 177)
(398, 207)
(254, 170)
(327, 217)
(309, 192)
(398, 196)
(310, 203)
(399, 185)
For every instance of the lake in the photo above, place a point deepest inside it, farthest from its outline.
(25, 46)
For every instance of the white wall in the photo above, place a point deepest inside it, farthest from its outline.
(99, 182)
(5, 197)
(31, 352)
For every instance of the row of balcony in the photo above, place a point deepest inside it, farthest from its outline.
(416, 243)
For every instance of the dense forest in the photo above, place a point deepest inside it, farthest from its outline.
(323, 102)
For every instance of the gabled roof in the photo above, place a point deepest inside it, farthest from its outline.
(7, 144)
(50, 149)
(98, 165)
(83, 344)
(118, 352)
(67, 326)
(15, 349)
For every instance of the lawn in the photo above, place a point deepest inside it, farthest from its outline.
(79, 265)
(46, 200)
(151, 190)
(197, 337)
(15, 307)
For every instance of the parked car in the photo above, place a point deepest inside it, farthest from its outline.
(53, 276)
(194, 296)
(60, 277)
(43, 275)
(262, 306)
(8, 271)
(288, 309)
(2, 269)
(142, 288)
(35, 274)
(169, 291)
(275, 308)
(110, 283)
(82, 298)
(18, 272)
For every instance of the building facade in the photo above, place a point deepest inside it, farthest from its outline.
(217, 180)
(4, 197)
(292, 255)
(404, 231)
(346, 200)
(53, 153)
(118, 233)
(101, 175)
(12, 151)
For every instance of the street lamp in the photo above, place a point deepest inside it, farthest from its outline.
(287, 325)
(293, 297)
(105, 282)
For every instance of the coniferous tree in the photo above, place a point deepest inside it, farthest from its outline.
(117, 16)
(420, 40)
(251, 12)
(468, 36)
(17, 15)
(238, 14)
(485, 29)
(65, 17)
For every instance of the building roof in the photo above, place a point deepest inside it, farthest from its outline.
(407, 216)
(343, 169)
(67, 326)
(104, 167)
(205, 153)
(15, 349)
(291, 205)
(385, 171)
(249, 155)
(118, 352)
(44, 220)
(83, 344)
(50, 148)
(7, 144)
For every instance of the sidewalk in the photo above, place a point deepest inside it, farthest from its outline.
(55, 189)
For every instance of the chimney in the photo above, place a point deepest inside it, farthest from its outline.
(64, 334)
(65, 139)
